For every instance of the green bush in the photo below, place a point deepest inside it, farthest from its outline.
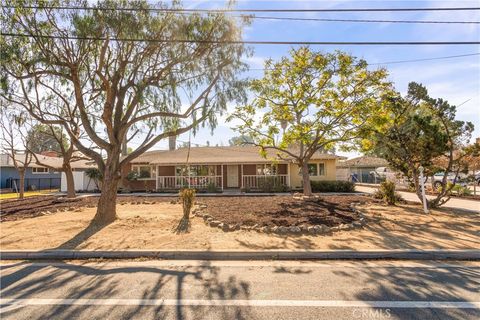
(461, 191)
(332, 186)
(387, 193)
(212, 188)
(271, 184)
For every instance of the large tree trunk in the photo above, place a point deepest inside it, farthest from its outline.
(70, 181)
(106, 207)
(21, 187)
(307, 187)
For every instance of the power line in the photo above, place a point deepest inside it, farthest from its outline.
(401, 61)
(252, 42)
(360, 20)
(271, 17)
(247, 10)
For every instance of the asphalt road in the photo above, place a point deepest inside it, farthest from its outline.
(240, 290)
(471, 205)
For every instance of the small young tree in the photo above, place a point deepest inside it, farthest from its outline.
(130, 71)
(311, 102)
(420, 132)
(14, 142)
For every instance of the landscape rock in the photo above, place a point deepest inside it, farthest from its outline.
(311, 230)
(282, 230)
(214, 223)
(295, 229)
(274, 229)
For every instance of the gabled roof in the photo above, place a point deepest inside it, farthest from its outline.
(364, 161)
(55, 162)
(218, 155)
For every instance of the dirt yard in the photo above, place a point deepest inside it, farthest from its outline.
(285, 210)
(150, 224)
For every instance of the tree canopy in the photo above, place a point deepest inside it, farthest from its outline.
(44, 138)
(310, 102)
(421, 131)
(124, 74)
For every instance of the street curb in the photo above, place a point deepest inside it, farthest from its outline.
(409, 254)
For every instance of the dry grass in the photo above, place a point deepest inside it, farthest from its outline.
(152, 226)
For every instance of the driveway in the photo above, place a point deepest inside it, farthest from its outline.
(471, 205)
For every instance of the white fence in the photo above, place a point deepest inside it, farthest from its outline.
(261, 181)
(200, 182)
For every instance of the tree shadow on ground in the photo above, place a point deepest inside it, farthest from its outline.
(82, 236)
(444, 228)
(76, 281)
(183, 226)
(418, 284)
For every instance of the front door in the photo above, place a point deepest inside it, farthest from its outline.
(232, 176)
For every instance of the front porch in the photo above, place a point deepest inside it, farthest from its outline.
(215, 178)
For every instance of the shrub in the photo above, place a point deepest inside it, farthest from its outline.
(387, 193)
(132, 176)
(212, 188)
(461, 191)
(187, 197)
(332, 186)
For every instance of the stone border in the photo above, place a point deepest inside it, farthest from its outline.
(281, 230)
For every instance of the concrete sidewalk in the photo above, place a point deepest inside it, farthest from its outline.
(398, 254)
(456, 203)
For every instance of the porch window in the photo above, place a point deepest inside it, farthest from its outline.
(144, 172)
(266, 170)
(196, 170)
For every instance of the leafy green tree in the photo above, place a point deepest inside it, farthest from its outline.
(122, 73)
(240, 140)
(43, 138)
(421, 131)
(311, 102)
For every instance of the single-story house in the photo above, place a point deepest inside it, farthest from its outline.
(233, 167)
(37, 177)
(360, 169)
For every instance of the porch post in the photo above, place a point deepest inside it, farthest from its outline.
(222, 178)
(241, 176)
(156, 177)
(288, 175)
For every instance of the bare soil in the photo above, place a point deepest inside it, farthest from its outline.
(16, 209)
(284, 210)
(150, 223)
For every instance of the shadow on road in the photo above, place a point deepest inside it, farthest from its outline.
(75, 281)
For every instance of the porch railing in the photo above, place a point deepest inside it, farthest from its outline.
(265, 181)
(198, 182)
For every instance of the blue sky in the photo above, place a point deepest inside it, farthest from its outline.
(456, 80)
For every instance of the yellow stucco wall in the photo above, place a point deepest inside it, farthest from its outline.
(330, 173)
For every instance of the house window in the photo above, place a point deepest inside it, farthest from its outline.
(314, 169)
(41, 170)
(321, 169)
(196, 170)
(144, 172)
(266, 170)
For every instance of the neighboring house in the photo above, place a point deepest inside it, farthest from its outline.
(36, 177)
(80, 180)
(235, 167)
(360, 169)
